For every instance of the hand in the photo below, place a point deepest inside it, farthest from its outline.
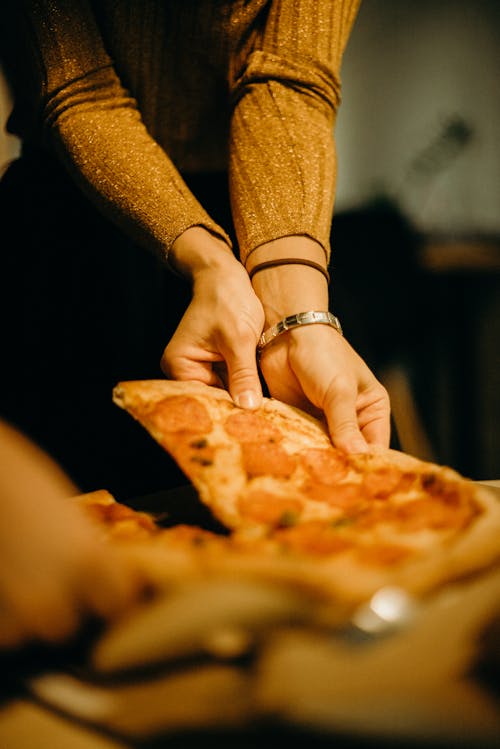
(54, 567)
(216, 340)
(315, 369)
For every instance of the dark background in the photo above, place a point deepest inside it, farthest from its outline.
(416, 233)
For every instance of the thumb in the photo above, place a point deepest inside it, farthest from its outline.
(243, 379)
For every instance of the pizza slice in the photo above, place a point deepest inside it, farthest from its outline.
(297, 507)
(237, 460)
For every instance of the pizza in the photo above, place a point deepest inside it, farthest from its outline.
(119, 520)
(299, 510)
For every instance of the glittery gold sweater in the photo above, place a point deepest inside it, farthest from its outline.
(131, 94)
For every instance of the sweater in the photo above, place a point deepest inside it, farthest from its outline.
(130, 95)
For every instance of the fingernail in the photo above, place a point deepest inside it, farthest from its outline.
(247, 399)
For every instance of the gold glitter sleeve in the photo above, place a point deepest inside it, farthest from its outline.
(96, 128)
(286, 91)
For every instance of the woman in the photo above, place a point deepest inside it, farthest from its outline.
(159, 126)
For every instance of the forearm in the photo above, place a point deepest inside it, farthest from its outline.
(87, 116)
(282, 170)
(286, 92)
(128, 176)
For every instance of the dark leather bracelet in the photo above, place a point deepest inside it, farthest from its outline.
(289, 261)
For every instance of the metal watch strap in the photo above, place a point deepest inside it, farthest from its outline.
(295, 321)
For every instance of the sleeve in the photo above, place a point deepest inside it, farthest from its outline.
(95, 127)
(286, 92)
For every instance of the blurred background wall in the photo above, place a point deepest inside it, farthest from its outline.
(420, 116)
(418, 206)
(416, 233)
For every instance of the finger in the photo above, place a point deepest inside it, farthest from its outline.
(190, 369)
(243, 378)
(377, 431)
(119, 584)
(374, 412)
(342, 419)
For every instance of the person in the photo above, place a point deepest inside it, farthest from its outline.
(202, 133)
(55, 568)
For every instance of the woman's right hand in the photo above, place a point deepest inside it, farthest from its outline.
(314, 367)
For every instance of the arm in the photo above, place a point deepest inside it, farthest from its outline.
(95, 126)
(216, 339)
(314, 367)
(286, 93)
(54, 567)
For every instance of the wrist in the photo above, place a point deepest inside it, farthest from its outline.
(197, 250)
(299, 246)
(287, 290)
(296, 321)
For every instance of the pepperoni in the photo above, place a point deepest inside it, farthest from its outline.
(181, 413)
(382, 555)
(345, 496)
(261, 459)
(381, 483)
(248, 426)
(313, 537)
(264, 507)
(420, 514)
(325, 465)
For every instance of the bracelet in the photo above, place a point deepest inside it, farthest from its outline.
(289, 261)
(295, 321)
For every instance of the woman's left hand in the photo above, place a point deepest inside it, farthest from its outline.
(216, 340)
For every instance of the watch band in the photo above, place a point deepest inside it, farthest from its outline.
(295, 321)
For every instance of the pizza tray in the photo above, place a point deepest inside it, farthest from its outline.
(431, 683)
